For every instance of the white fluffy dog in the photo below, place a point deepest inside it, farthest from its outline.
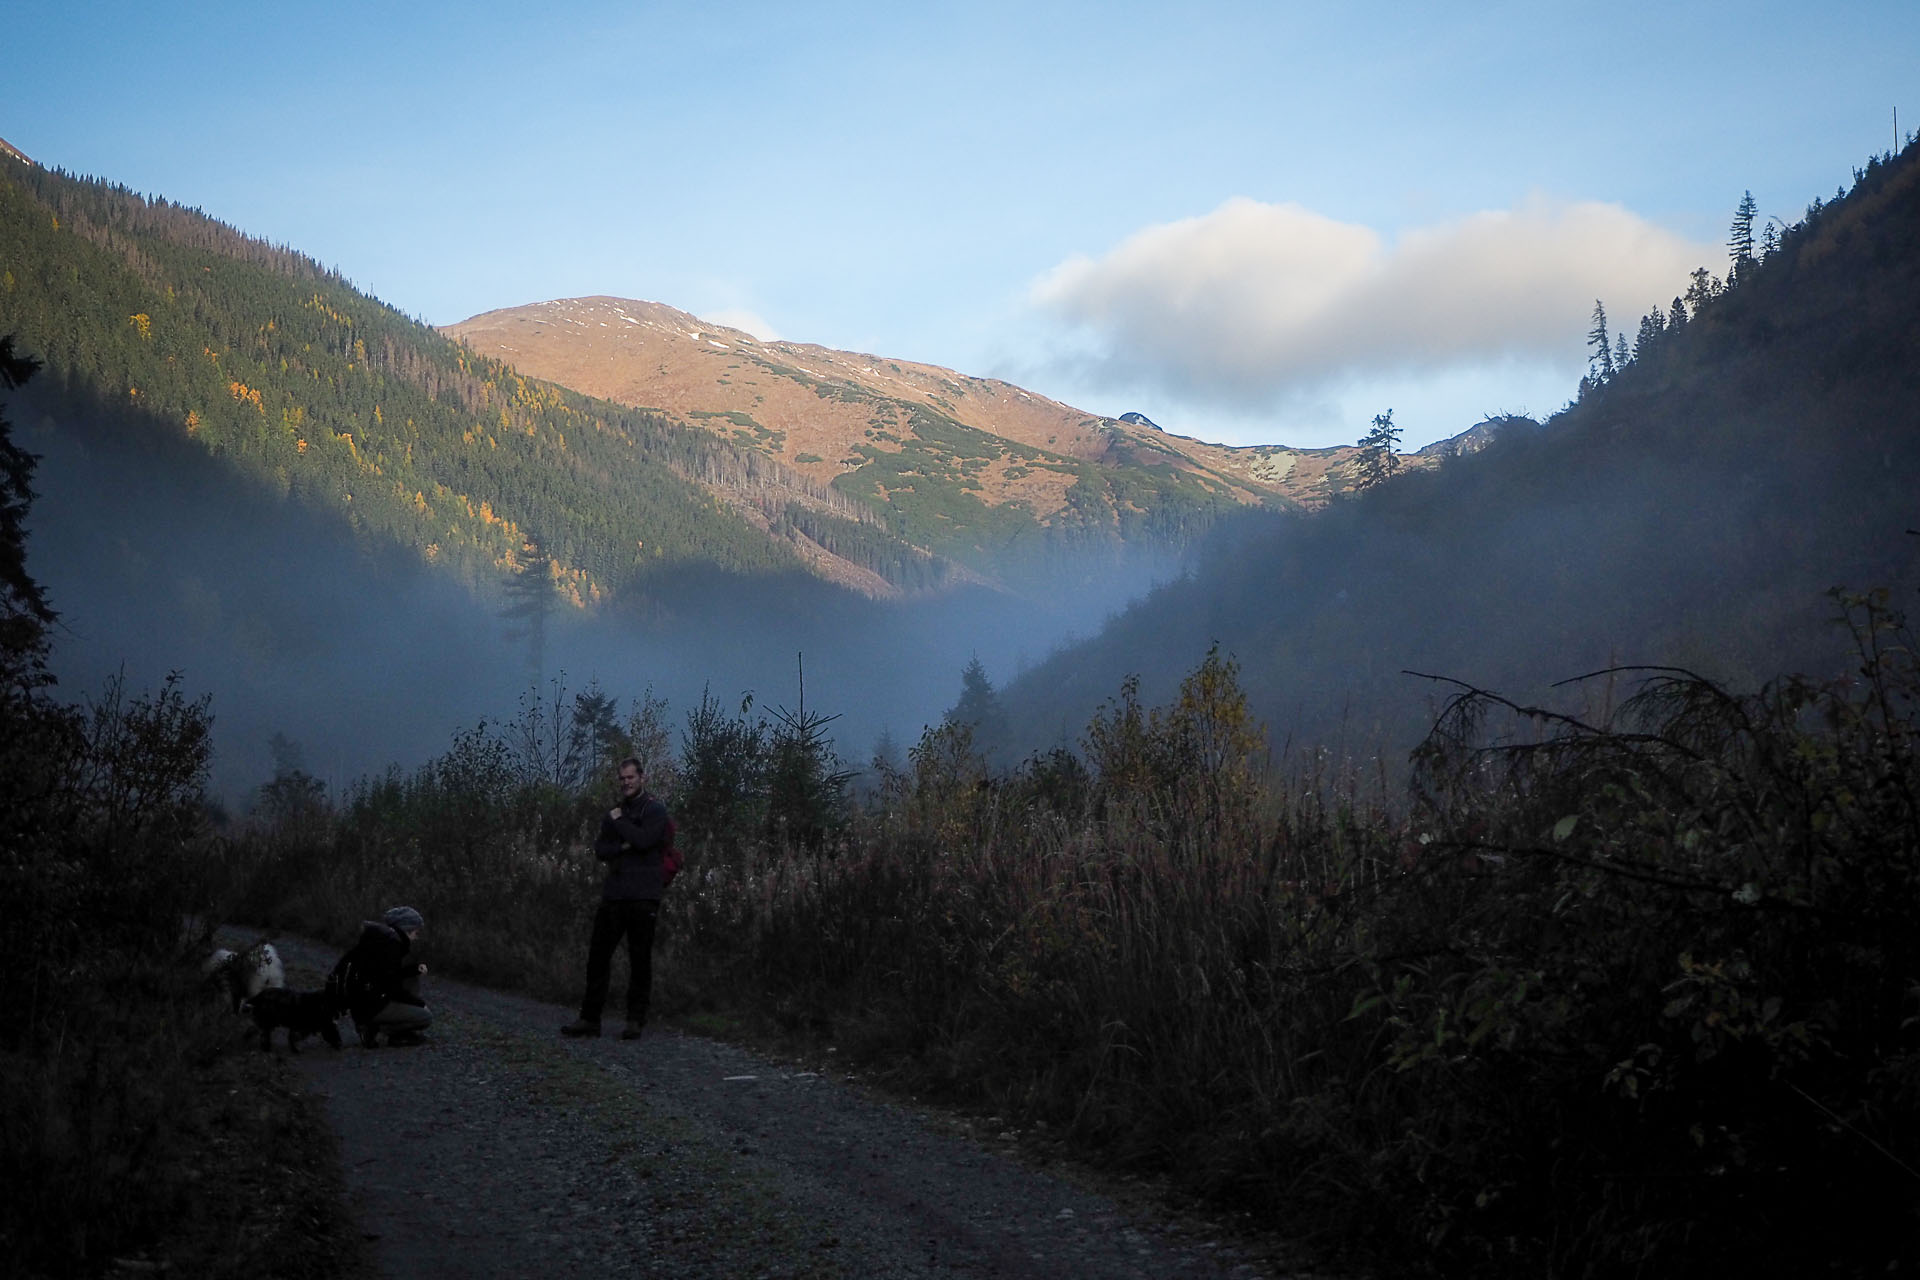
(246, 973)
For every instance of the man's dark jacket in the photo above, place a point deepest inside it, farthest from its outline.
(632, 846)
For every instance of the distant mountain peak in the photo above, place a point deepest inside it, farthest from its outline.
(954, 462)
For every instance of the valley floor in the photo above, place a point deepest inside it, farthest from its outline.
(499, 1149)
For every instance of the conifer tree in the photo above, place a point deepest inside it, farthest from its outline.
(979, 705)
(24, 613)
(1378, 462)
(1740, 240)
(806, 787)
(1652, 326)
(530, 603)
(1740, 236)
(1601, 362)
(1703, 289)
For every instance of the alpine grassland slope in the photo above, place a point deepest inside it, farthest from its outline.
(976, 468)
(1693, 506)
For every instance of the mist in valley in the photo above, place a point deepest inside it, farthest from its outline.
(161, 559)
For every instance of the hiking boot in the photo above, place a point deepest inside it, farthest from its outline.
(580, 1027)
(631, 1031)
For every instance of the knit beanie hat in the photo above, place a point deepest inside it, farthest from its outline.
(404, 918)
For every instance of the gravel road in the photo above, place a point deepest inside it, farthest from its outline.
(500, 1149)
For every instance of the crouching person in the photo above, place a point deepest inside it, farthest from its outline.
(378, 986)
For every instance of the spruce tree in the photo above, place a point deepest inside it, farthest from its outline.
(979, 706)
(1740, 236)
(1601, 362)
(1652, 325)
(530, 603)
(1703, 289)
(24, 612)
(1378, 462)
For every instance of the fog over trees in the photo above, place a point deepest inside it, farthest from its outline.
(1758, 446)
(159, 559)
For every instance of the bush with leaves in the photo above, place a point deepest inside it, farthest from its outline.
(1650, 986)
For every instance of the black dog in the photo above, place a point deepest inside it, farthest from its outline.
(302, 1013)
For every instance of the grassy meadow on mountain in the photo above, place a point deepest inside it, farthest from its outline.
(1628, 987)
(973, 467)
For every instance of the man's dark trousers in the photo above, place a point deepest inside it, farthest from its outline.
(634, 921)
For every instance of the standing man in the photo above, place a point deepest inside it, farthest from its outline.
(632, 842)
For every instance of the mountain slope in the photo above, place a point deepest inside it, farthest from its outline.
(325, 395)
(1694, 509)
(961, 464)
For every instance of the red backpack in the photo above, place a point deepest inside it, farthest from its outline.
(670, 859)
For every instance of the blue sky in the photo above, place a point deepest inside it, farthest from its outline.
(1257, 223)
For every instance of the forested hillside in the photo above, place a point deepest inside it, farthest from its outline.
(1751, 447)
(320, 393)
(351, 531)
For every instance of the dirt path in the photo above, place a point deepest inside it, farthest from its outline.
(500, 1149)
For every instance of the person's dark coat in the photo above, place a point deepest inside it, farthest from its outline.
(374, 972)
(632, 846)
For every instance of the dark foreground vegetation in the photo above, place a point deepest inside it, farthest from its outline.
(1637, 994)
(131, 1129)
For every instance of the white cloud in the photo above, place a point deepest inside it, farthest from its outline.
(1256, 305)
(750, 322)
